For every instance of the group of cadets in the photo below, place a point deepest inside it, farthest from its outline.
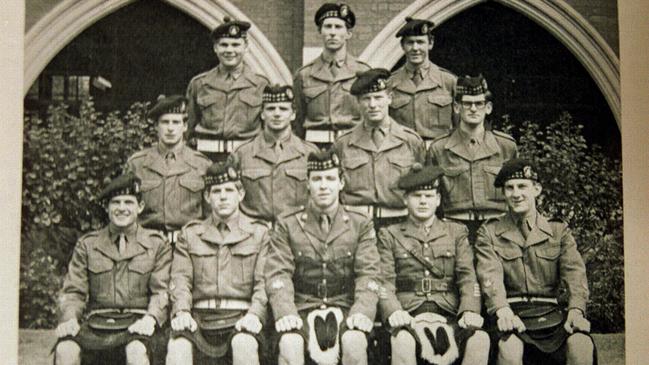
(281, 252)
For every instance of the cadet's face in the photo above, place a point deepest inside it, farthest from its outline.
(123, 210)
(171, 127)
(334, 33)
(375, 106)
(473, 109)
(224, 199)
(422, 204)
(324, 187)
(416, 48)
(520, 195)
(230, 51)
(277, 116)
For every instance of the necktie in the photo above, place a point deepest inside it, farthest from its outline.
(334, 68)
(223, 228)
(169, 158)
(377, 137)
(122, 244)
(416, 77)
(277, 149)
(525, 228)
(324, 223)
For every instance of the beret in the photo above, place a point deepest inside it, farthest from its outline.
(372, 80)
(127, 184)
(421, 178)
(168, 104)
(277, 93)
(331, 10)
(517, 168)
(416, 27)
(322, 160)
(221, 173)
(231, 29)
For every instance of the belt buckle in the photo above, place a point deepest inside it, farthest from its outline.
(426, 285)
(322, 290)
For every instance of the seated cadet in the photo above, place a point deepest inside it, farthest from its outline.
(217, 284)
(121, 273)
(171, 172)
(273, 164)
(321, 274)
(377, 152)
(427, 270)
(522, 260)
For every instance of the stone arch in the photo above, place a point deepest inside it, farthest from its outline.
(556, 16)
(68, 19)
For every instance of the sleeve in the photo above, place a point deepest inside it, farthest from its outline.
(280, 266)
(259, 298)
(300, 106)
(573, 272)
(465, 274)
(193, 112)
(366, 269)
(73, 295)
(490, 272)
(182, 276)
(388, 301)
(158, 284)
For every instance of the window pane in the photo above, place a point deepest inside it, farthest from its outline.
(84, 88)
(58, 87)
(73, 88)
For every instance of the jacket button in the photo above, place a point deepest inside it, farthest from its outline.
(448, 253)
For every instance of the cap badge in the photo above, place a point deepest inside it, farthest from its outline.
(344, 11)
(527, 172)
(231, 173)
(234, 30)
(335, 160)
(289, 94)
(424, 29)
(381, 83)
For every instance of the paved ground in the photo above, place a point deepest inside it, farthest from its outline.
(35, 347)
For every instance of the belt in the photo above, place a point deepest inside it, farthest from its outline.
(424, 286)
(378, 212)
(218, 145)
(222, 304)
(473, 215)
(172, 236)
(116, 310)
(323, 289)
(524, 299)
(322, 136)
(428, 142)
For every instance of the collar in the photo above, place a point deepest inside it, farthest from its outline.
(231, 222)
(330, 212)
(236, 72)
(384, 126)
(164, 150)
(531, 220)
(270, 139)
(340, 60)
(466, 138)
(423, 69)
(130, 232)
(423, 225)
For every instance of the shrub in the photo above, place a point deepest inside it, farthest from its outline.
(39, 282)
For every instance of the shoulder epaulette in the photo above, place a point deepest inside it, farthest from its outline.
(306, 66)
(503, 135)
(192, 223)
(557, 220)
(345, 132)
(89, 235)
(156, 234)
(139, 154)
(363, 63)
(357, 212)
(200, 75)
(442, 136)
(292, 211)
(244, 143)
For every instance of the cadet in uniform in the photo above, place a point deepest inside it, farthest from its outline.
(171, 172)
(422, 91)
(321, 274)
(324, 104)
(522, 260)
(121, 273)
(377, 152)
(427, 268)
(471, 156)
(273, 164)
(217, 284)
(225, 102)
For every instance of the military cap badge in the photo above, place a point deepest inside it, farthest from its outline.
(527, 172)
(234, 30)
(424, 29)
(344, 10)
(232, 173)
(289, 94)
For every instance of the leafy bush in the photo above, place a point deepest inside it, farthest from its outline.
(40, 281)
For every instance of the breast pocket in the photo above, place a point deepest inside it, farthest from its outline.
(548, 259)
(139, 272)
(400, 111)
(244, 255)
(441, 109)
(205, 263)
(445, 255)
(191, 188)
(457, 184)
(491, 192)
(297, 182)
(100, 275)
(511, 259)
(398, 166)
(343, 262)
(152, 193)
(212, 105)
(252, 102)
(316, 100)
(357, 169)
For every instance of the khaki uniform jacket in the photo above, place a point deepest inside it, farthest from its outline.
(172, 194)
(103, 278)
(469, 176)
(207, 265)
(274, 184)
(428, 107)
(301, 255)
(371, 175)
(509, 266)
(447, 248)
(322, 100)
(231, 112)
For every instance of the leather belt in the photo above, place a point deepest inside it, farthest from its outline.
(218, 145)
(473, 215)
(116, 310)
(323, 289)
(322, 136)
(524, 299)
(172, 236)
(424, 285)
(428, 142)
(214, 303)
(378, 212)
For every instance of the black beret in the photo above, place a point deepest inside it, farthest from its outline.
(415, 27)
(221, 172)
(168, 104)
(231, 29)
(421, 178)
(331, 10)
(322, 160)
(127, 184)
(468, 85)
(370, 81)
(516, 169)
(277, 94)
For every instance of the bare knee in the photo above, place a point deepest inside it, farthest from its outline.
(479, 341)
(579, 348)
(136, 353)
(291, 349)
(179, 351)
(511, 349)
(354, 343)
(243, 343)
(403, 342)
(68, 352)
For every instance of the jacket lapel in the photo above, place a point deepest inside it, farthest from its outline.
(339, 225)
(507, 228)
(487, 148)
(541, 232)
(455, 145)
(311, 229)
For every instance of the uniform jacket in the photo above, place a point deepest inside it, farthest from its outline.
(274, 184)
(469, 176)
(102, 277)
(231, 112)
(509, 266)
(322, 100)
(371, 175)
(207, 265)
(428, 107)
(173, 194)
(446, 247)
(302, 255)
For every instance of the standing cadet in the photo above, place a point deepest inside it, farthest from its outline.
(217, 285)
(422, 91)
(121, 273)
(273, 164)
(522, 261)
(377, 152)
(171, 172)
(471, 156)
(321, 274)
(225, 102)
(427, 268)
(324, 104)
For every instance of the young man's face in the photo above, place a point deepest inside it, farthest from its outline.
(224, 199)
(123, 210)
(230, 51)
(375, 106)
(324, 187)
(416, 49)
(473, 109)
(520, 195)
(277, 117)
(422, 204)
(334, 33)
(171, 127)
